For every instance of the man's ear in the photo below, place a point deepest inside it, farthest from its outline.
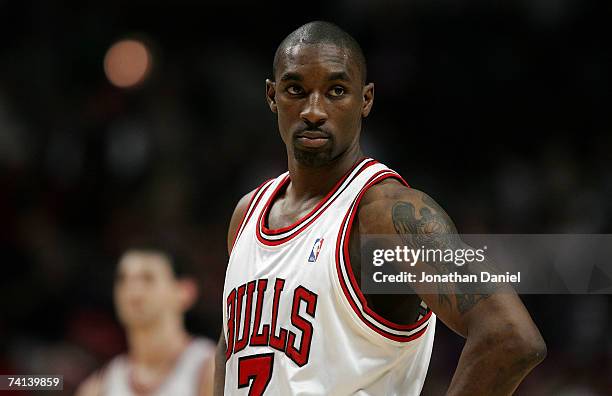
(368, 99)
(188, 292)
(271, 94)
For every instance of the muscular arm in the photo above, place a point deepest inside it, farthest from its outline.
(239, 212)
(502, 342)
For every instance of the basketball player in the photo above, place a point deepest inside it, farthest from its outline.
(151, 297)
(295, 319)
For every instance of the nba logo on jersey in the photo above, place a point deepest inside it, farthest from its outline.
(314, 254)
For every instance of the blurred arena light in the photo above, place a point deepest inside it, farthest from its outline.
(127, 63)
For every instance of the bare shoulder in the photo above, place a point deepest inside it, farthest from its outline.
(239, 213)
(390, 207)
(92, 386)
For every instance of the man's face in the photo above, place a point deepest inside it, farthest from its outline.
(145, 289)
(320, 100)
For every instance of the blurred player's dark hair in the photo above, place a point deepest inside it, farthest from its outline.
(179, 263)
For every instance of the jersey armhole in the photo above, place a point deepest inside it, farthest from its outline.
(351, 292)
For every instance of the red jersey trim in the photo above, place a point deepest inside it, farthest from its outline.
(275, 237)
(396, 332)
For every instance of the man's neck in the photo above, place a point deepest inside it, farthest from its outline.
(157, 345)
(308, 182)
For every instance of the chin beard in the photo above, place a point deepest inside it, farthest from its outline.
(313, 159)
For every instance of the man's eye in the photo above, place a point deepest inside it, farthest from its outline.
(336, 91)
(294, 90)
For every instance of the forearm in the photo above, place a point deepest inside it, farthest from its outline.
(492, 365)
(219, 382)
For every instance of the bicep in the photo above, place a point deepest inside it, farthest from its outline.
(423, 224)
(415, 220)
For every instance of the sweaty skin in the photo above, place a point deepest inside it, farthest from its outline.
(318, 93)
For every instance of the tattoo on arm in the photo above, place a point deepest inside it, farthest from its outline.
(433, 229)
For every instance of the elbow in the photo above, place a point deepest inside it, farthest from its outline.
(532, 350)
(519, 346)
(525, 347)
(539, 350)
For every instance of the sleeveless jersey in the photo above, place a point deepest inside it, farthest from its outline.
(295, 319)
(184, 379)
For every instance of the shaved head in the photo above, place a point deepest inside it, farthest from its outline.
(317, 33)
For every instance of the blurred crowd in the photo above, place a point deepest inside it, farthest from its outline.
(499, 112)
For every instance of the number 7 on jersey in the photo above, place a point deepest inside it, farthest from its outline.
(255, 370)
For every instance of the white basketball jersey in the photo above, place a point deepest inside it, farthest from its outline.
(184, 380)
(295, 319)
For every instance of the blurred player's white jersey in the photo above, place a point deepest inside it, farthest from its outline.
(185, 378)
(295, 320)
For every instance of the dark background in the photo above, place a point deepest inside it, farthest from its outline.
(499, 110)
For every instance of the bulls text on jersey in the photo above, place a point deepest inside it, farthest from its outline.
(248, 329)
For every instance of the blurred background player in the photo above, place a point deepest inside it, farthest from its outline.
(151, 297)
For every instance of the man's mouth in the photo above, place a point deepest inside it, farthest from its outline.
(312, 139)
(313, 134)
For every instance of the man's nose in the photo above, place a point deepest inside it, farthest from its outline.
(314, 112)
